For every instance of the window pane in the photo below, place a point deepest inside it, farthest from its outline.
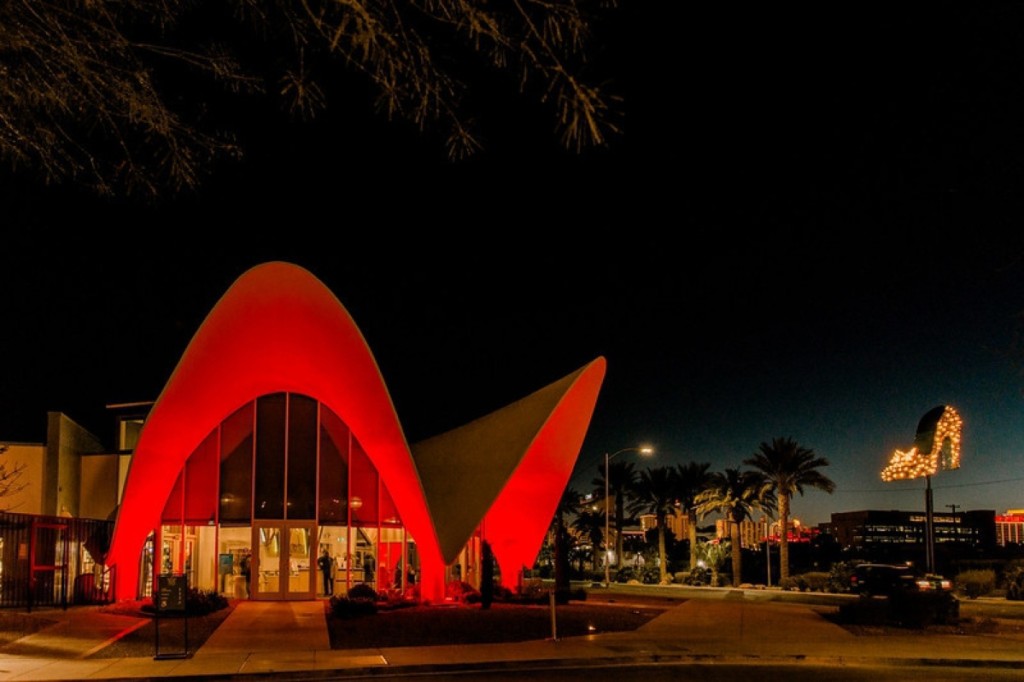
(172, 508)
(301, 457)
(364, 489)
(201, 482)
(269, 501)
(236, 467)
(333, 468)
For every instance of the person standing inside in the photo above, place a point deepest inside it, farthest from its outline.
(369, 568)
(325, 564)
(245, 566)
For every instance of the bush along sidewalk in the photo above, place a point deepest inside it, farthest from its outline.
(904, 609)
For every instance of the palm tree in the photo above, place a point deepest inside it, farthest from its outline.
(736, 495)
(568, 505)
(690, 479)
(656, 494)
(713, 554)
(621, 481)
(590, 524)
(789, 467)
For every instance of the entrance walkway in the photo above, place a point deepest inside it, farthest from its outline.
(270, 626)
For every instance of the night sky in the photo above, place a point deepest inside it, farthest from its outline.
(814, 232)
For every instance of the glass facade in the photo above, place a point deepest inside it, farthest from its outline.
(279, 484)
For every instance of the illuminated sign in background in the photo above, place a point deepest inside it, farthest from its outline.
(936, 447)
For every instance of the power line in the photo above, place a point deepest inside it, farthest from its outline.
(935, 487)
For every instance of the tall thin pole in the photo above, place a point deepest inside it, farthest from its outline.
(607, 506)
(607, 568)
(929, 527)
(956, 536)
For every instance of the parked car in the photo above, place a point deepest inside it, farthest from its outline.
(869, 580)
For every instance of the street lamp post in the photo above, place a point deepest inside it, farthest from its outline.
(607, 513)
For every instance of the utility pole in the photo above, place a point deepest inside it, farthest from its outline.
(956, 534)
(929, 527)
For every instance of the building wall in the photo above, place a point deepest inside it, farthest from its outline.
(894, 528)
(99, 492)
(752, 533)
(675, 522)
(29, 499)
(122, 474)
(66, 442)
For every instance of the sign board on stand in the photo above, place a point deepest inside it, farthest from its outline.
(171, 595)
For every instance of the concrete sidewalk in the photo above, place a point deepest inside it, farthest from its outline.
(275, 637)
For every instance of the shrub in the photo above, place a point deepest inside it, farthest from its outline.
(816, 581)
(698, 576)
(352, 607)
(1013, 578)
(361, 600)
(363, 591)
(201, 602)
(919, 609)
(839, 577)
(533, 591)
(794, 583)
(460, 590)
(976, 583)
(650, 575)
(197, 603)
(625, 574)
(910, 609)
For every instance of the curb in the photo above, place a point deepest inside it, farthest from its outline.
(600, 662)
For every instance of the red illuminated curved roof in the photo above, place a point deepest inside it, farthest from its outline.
(278, 329)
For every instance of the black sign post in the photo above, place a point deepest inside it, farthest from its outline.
(170, 598)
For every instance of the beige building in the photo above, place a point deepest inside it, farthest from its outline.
(677, 523)
(754, 532)
(70, 474)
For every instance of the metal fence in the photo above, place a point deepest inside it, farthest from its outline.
(54, 561)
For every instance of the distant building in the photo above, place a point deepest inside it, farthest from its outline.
(895, 534)
(676, 522)
(753, 532)
(1010, 528)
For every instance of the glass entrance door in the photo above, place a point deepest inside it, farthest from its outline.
(283, 563)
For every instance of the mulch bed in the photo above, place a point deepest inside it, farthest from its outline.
(471, 624)
(142, 642)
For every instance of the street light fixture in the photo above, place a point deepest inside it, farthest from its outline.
(607, 460)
